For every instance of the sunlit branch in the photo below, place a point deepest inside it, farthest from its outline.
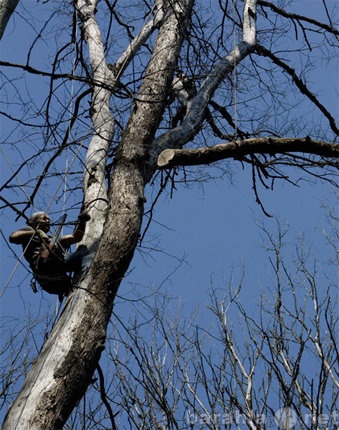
(102, 119)
(238, 149)
(139, 40)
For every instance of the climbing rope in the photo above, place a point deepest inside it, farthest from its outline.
(235, 74)
(15, 268)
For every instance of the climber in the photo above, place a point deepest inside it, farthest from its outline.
(46, 254)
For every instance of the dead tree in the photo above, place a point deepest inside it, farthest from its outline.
(122, 158)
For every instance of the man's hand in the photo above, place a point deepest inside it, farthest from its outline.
(84, 216)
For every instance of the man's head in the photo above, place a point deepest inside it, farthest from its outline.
(40, 220)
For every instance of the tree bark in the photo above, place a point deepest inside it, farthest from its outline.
(7, 7)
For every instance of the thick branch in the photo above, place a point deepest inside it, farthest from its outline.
(151, 101)
(139, 40)
(7, 7)
(196, 107)
(238, 149)
(102, 119)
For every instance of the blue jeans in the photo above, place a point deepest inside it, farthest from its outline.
(74, 260)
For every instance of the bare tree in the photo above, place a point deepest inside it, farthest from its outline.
(153, 94)
(247, 369)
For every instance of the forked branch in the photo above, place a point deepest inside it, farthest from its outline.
(196, 107)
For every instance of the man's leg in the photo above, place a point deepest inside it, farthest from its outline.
(74, 262)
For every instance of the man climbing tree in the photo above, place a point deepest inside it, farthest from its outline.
(138, 91)
(47, 255)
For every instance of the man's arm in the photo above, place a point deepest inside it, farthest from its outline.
(22, 235)
(78, 233)
(25, 234)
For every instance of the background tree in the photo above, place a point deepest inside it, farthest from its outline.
(159, 86)
(245, 366)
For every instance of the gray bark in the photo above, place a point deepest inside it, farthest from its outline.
(7, 7)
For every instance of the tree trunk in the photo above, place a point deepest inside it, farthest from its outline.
(62, 372)
(7, 7)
